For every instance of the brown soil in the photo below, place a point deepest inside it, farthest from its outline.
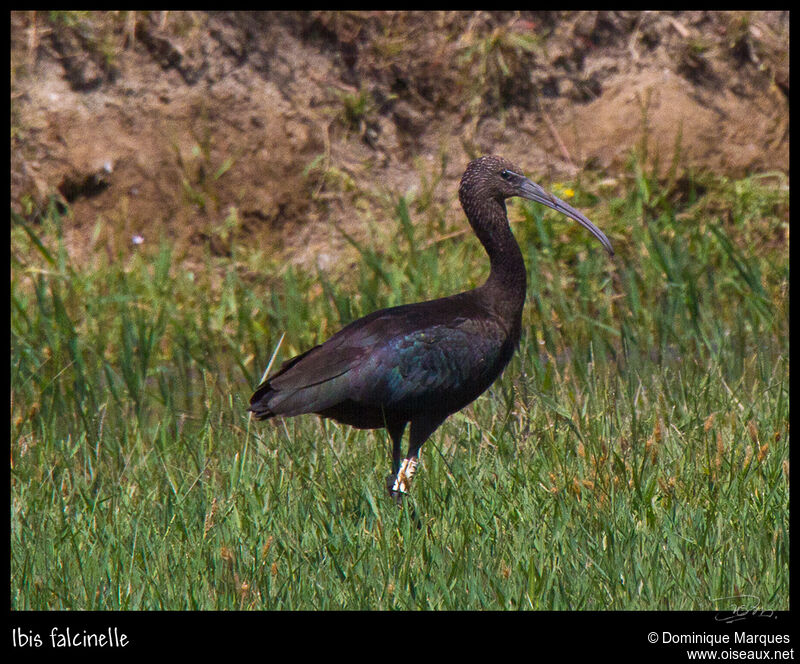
(272, 128)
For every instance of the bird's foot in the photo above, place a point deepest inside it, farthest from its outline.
(390, 480)
(399, 484)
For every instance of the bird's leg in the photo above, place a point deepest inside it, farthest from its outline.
(404, 475)
(421, 429)
(396, 434)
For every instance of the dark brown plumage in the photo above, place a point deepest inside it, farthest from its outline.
(419, 363)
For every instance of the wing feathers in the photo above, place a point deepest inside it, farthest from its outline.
(389, 360)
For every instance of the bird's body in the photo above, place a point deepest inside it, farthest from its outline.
(419, 363)
(434, 356)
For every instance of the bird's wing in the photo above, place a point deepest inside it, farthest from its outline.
(385, 359)
(444, 363)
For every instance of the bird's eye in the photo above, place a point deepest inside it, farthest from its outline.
(506, 175)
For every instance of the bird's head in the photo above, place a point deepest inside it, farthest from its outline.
(495, 178)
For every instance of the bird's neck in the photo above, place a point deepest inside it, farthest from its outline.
(504, 290)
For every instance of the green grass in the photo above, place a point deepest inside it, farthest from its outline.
(633, 456)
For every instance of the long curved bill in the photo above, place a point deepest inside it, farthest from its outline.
(534, 192)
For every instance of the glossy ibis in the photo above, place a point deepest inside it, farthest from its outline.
(421, 362)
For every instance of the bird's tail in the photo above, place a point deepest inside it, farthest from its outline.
(301, 388)
(259, 402)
